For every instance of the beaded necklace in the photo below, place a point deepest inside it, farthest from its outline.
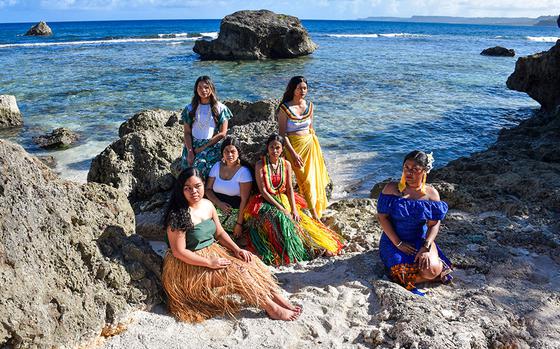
(204, 120)
(268, 170)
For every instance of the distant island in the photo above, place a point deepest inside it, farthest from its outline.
(539, 21)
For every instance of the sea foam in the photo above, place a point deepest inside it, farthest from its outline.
(387, 35)
(543, 38)
(158, 38)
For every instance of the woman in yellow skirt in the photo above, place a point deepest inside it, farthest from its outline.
(295, 120)
(204, 268)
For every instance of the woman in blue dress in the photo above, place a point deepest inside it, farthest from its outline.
(410, 213)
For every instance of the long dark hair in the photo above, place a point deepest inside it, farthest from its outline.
(418, 157)
(292, 85)
(231, 140)
(177, 215)
(213, 98)
(273, 137)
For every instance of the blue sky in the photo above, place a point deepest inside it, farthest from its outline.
(80, 10)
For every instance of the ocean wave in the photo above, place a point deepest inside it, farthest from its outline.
(212, 35)
(387, 35)
(543, 38)
(174, 38)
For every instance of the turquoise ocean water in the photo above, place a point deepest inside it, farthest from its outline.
(380, 89)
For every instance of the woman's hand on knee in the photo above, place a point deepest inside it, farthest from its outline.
(423, 259)
(244, 255)
(218, 263)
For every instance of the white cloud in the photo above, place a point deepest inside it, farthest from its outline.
(6, 3)
(307, 9)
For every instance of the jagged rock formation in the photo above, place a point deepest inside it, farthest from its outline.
(10, 116)
(59, 138)
(69, 264)
(254, 35)
(143, 163)
(538, 75)
(39, 29)
(498, 51)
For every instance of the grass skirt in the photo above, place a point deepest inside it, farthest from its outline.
(278, 239)
(198, 293)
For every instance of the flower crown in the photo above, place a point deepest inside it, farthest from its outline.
(430, 163)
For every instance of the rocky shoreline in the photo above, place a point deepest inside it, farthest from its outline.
(78, 244)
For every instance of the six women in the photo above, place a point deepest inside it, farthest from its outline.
(205, 268)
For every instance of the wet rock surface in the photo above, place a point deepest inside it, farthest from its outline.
(498, 51)
(144, 162)
(10, 116)
(539, 76)
(60, 138)
(69, 262)
(39, 29)
(251, 35)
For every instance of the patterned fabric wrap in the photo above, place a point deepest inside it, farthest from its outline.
(207, 158)
(278, 239)
(404, 274)
(228, 221)
(204, 160)
(312, 178)
(198, 293)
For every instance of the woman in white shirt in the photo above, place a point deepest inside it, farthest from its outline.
(205, 123)
(229, 186)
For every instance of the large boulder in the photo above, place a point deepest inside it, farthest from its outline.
(39, 29)
(70, 265)
(539, 76)
(10, 116)
(143, 163)
(255, 35)
(59, 138)
(498, 51)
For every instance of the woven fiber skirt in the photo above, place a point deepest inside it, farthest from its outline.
(198, 293)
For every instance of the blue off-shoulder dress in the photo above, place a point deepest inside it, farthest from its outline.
(409, 218)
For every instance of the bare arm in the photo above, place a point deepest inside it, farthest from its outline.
(245, 192)
(212, 197)
(282, 124)
(433, 226)
(387, 225)
(187, 141)
(290, 192)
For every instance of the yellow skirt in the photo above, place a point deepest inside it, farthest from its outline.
(312, 178)
(198, 293)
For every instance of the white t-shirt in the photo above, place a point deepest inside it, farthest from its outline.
(204, 124)
(229, 187)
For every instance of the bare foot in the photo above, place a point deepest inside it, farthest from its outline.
(283, 302)
(328, 253)
(280, 313)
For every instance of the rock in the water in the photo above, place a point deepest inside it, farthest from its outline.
(257, 35)
(68, 262)
(59, 138)
(48, 160)
(498, 51)
(539, 76)
(39, 29)
(10, 116)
